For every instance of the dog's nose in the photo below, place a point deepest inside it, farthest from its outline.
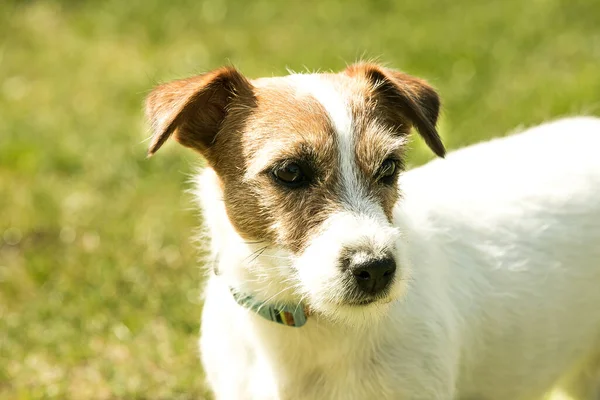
(375, 275)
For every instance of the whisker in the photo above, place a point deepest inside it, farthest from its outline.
(259, 251)
(275, 257)
(271, 298)
(254, 242)
(300, 302)
(258, 255)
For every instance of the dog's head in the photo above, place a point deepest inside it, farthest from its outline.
(307, 165)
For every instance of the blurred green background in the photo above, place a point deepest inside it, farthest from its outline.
(99, 281)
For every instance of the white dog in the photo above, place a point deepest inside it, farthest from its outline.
(336, 276)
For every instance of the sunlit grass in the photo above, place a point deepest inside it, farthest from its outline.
(99, 283)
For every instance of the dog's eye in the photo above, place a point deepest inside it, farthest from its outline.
(387, 171)
(290, 175)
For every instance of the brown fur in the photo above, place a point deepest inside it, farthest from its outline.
(403, 101)
(194, 108)
(244, 129)
(298, 129)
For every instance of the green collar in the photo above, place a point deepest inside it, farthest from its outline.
(287, 315)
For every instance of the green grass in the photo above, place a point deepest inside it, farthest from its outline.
(99, 282)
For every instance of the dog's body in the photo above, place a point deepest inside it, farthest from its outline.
(497, 292)
(505, 295)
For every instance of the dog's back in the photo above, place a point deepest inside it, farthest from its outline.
(515, 224)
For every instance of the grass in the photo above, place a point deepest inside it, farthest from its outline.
(99, 284)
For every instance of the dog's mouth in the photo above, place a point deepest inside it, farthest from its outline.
(360, 303)
(366, 301)
(356, 298)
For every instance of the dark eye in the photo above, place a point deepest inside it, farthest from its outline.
(387, 171)
(290, 175)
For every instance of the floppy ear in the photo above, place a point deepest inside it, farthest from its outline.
(405, 97)
(193, 109)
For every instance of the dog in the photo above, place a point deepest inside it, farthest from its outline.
(336, 274)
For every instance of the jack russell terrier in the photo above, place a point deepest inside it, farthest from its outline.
(338, 275)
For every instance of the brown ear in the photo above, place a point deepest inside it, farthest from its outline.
(193, 109)
(405, 97)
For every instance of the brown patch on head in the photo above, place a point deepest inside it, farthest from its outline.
(375, 144)
(284, 127)
(385, 105)
(402, 101)
(245, 130)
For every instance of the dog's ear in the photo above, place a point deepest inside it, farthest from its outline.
(194, 109)
(404, 98)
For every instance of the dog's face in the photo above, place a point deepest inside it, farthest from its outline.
(308, 164)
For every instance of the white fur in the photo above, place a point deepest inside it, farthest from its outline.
(336, 105)
(361, 221)
(503, 243)
(324, 91)
(318, 271)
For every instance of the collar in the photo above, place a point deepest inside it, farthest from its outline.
(288, 315)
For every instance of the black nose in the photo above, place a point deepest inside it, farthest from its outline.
(375, 275)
